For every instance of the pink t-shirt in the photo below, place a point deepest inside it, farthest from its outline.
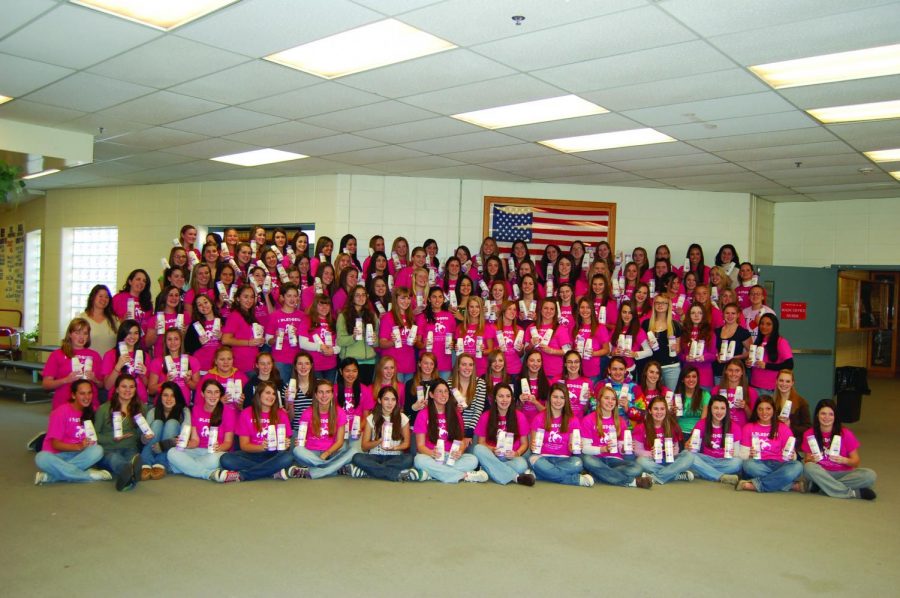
(223, 380)
(246, 428)
(470, 340)
(567, 319)
(600, 338)
(324, 440)
(156, 367)
(443, 326)
(513, 358)
(200, 420)
(190, 295)
(575, 385)
(738, 416)
(307, 296)
(704, 365)
(636, 341)
(639, 436)
(763, 378)
(65, 425)
(652, 393)
(849, 443)
(120, 307)
(743, 295)
(717, 442)
(110, 359)
(482, 428)
(309, 330)
(553, 364)
(770, 448)
(556, 441)
(609, 433)
(59, 366)
(607, 313)
(405, 356)
(244, 357)
(207, 350)
(353, 406)
(150, 323)
(528, 408)
(421, 427)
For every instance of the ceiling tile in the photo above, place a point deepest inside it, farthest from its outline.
(88, 93)
(499, 154)
(665, 162)
(310, 101)
(459, 143)
(860, 91)
(470, 171)
(676, 60)
(871, 194)
(110, 150)
(261, 27)
(710, 110)
(161, 107)
(374, 155)
(21, 76)
(395, 7)
(589, 168)
(61, 37)
(612, 178)
(418, 130)
(158, 138)
(779, 164)
(639, 152)
(280, 134)
(787, 151)
(728, 127)
(330, 145)
(18, 12)
(524, 165)
(155, 159)
(754, 140)
(571, 127)
(367, 117)
(586, 39)
(212, 148)
(438, 71)
(103, 127)
(686, 170)
(224, 122)
(38, 114)
(514, 89)
(863, 135)
(247, 82)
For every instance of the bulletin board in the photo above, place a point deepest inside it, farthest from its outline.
(12, 262)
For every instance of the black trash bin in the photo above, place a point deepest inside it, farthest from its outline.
(850, 384)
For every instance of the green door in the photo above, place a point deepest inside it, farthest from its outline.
(805, 301)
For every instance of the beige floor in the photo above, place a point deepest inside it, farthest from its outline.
(370, 538)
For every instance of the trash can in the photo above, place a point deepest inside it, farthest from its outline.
(850, 384)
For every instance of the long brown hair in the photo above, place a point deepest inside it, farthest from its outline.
(316, 414)
(566, 409)
(378, 415)
(256, 405)
(512, 421)
(115, 404)
(75, 325)
(670, 424)
(108, 314)
(451, 415)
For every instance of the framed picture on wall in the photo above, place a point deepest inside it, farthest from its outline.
(542, 222)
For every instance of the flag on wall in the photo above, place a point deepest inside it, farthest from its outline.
(542, 226)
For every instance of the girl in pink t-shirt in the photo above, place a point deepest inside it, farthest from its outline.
(533, 386)
(552, 447)
(355, 398)
(440, 324)
(205, 334)
(226, 282)
(441, 442)
(602, 436)
(496, 372)
(394, 334)
(657, 444)
(651, 381)
(697, 328)
(502, 437)
(242, 332)
(132, 361)
(264, 432)
(201, 284)
(326, 450)
(67, 455)
(551, 339)
(835, 469)
(741, 403)
(715, 442)
(170, 312)
(74, 360)
(777, 355)
(318, 336)
(590, 338)
(508, 339)
(565, 307)
(134, 301)
(174, 366)
(578, 385)
(628, 328)
(478, 338)
(602, 301)
(770, 464)
(210, 419)
(224, 372)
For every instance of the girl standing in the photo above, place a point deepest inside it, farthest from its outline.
(663, 333)
(628, 340)
(353, 326)
(777, 355)
(205, 334)
(730, 330)
(174, 366)
(115, 361)
(318, 336)
(134, 302)
(436, 326)
(242, 332)
(74, 360)
(478, 338)
(549, 338)
(698, 345)
(394, 334)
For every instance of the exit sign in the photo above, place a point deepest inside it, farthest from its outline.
(793, 310)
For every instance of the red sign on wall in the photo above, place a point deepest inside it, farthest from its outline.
(793, 310)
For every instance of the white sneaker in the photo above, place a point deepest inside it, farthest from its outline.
(685, 476)
(41, 478)
(476, 476)
(586, 480)
(99, 475)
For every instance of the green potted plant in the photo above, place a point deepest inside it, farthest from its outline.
(10, 186)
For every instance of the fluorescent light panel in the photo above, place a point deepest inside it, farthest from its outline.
(361, 49)
(259, 157)
(4, 99)
(527, 113)
(159, 14)
(844, 66)
(600, 141)
(896, 174)
(40, 174)
(857, 112)
(888, 155)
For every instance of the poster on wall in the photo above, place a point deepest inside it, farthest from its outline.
(542, 222)
(12, 262)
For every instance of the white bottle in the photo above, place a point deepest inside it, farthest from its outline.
(370, 335)
(354, 429)
(89, 431)
(679, 405)
(439, 452)
(183, 436)
(395, 334)
(451, 460)
(387, 435)
(788, 449)
(271, 439)
(302, 431)
(575, 441)
(538, 441)
(212, 441)
(142, 424)
(670, 450)
(658, 450)
(429, 341)
(627, 444)
(756, 448)
(695, 441)
(814, 449)
(281, 437)
(117, 424)
(785, 410)
(411, 337)
(834, 449)
(585, 394)
(729, 446)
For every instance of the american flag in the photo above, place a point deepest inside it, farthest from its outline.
(541, 226)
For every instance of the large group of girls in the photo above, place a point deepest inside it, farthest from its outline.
(263, 359)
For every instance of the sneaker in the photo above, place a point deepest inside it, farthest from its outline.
(99, 475)
(525, 479)
(866, 494)
(643, 482)
(585, 480)
(729, 479)
(157, 472)
(36, 442)
(745, 485)
(345, 470)
(476, 476)
(41, 478)
(356, 472)
(128, 476)
(145, 473)
(799, 486)
(281, 475)
(408, 475)
(685, 476)
(295, 471)
(224, 476)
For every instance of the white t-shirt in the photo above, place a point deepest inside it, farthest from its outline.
(379, 450)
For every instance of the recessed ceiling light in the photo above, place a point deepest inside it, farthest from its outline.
(844, 66)
(526, 113)
(857, 112)
(40, 174)
(896, 174)
(361, 49)
(585, 143)
(159, 14)
(888, 155)
(259, 157)
(4, 99)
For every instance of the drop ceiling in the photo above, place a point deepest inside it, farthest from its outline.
(160, 105)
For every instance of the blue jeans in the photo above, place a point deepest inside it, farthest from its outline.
(115, 459)
(839, 484)
(404, 378)
(69, 466)
(162, 431)
(562, 470)
(711, 468)
(663, 473)
(670, 375)
(772, 476)
(500, 469)
(615, 472)
(284, 370)
(325, 374)
(318, 467)
(253, 466)
(194, 463)
(449, 474)
(383, 467)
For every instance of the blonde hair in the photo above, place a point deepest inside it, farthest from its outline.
(653, 317)
(75, 325)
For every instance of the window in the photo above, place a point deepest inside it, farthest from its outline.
(89, 258)
(32, 302)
